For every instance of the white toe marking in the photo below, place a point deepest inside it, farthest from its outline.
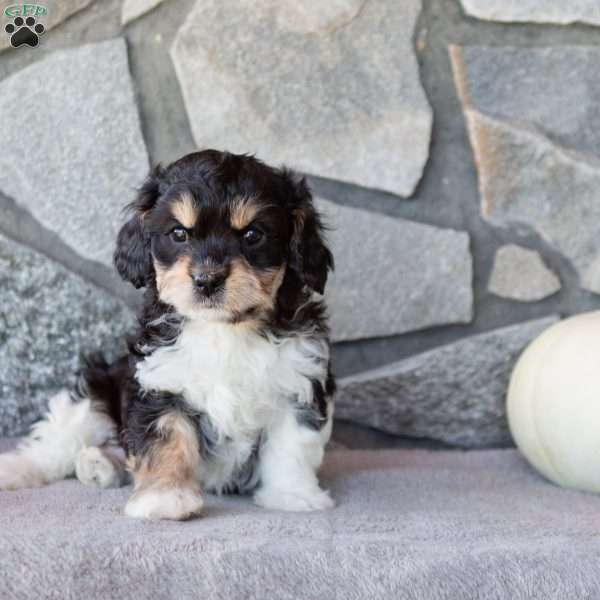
(176, 504)
(300, 500)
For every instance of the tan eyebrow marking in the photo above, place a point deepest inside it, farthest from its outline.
(185, 211)
(243, 212)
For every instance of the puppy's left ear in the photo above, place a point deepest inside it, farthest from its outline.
(309, 256)
(132, 256)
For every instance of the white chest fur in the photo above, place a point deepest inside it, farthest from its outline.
(240, 379)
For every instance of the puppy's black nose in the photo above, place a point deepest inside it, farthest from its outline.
(208, 283)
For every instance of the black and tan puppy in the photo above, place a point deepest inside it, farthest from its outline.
(227, 385)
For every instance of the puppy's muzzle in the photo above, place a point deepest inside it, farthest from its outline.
(209, 282)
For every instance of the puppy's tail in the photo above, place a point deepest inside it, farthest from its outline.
(74, 422)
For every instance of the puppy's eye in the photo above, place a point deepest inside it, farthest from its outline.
(179, 235)
(253, 236)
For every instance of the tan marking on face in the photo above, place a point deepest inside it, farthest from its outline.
(173, 459)
(185, 211)
(245, 288)
(248, 288)
(174, 284)
(271, 280)
(243, 212)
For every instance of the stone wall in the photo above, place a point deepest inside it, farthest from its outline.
(451, 144)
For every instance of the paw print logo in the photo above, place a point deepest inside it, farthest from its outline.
(24, 32)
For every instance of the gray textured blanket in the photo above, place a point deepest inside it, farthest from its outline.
(409, 524)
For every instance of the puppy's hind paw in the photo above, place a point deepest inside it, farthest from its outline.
(18, 472)
(176, 504)
(294, 500)
(93, 467)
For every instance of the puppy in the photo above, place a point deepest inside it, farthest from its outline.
(227, 385)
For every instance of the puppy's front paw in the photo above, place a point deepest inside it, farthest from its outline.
(176, 504)
(17, 472)
(294, 500)
(94, 468)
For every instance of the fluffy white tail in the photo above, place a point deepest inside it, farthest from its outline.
(50, 451)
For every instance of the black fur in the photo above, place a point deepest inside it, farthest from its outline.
(132, 253)
(310, 258)
(295, 239)
(315, 415)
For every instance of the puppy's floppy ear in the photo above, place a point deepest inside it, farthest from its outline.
(132, 254)
(309, 257)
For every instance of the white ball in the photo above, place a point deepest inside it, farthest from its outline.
(554, 403)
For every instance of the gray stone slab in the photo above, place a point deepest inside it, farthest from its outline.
(57, 12)
(535, 150)
(555, 89)
(520, 274)
(330, 89)
(563, 12)
(394, 275)
(132, 9)
(524, 178)
(73, 152)
(455, 393)
(48, 316)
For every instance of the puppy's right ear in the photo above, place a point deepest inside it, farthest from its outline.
(132, 256)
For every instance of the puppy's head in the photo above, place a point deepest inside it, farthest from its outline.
(220, 235)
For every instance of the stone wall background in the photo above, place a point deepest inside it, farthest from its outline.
(452, 145)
